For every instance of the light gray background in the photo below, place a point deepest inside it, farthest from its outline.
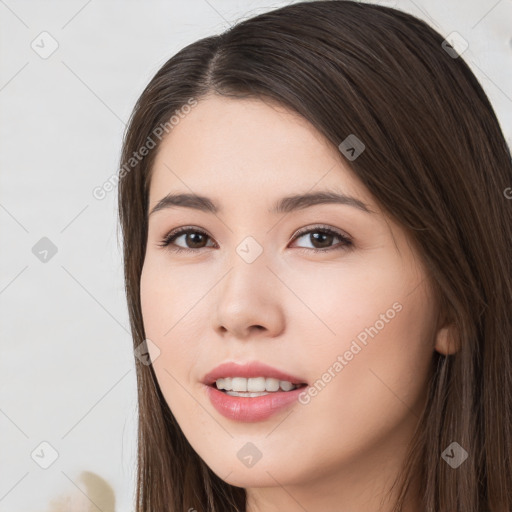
(66, 366)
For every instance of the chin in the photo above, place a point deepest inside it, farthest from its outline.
(259, 475)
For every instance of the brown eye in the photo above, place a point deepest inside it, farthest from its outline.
(194, 239)
(321, 239)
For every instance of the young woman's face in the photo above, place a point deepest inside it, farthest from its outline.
(354, 321)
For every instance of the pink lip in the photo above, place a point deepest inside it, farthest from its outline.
(247, 409)
(254, 369)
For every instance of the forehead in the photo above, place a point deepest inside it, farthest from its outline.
(250, 146)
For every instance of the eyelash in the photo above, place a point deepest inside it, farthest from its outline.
(345, 244)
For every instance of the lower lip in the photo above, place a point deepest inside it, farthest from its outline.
(249, 409)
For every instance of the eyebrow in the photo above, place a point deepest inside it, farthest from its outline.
(283, 205)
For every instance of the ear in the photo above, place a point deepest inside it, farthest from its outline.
(446, 341)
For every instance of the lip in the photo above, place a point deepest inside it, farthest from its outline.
(252, 369)
(247, 409)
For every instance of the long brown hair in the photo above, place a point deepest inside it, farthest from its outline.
(436, 161)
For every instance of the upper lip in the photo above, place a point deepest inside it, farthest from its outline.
(247, 370)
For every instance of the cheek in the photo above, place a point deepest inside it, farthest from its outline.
(373, 353)
(157, 305)
(152, 300)
(369, 402)
(166, 296)
(338, 302)
(168, 303)
(381, 360)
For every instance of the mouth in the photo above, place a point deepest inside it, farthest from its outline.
(252, 391)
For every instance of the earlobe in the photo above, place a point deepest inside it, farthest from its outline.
(446, 341)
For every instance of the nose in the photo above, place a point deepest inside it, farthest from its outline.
(249, 301)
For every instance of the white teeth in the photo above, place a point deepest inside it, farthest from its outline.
(254, 386)
(273, 384)
(285, 385)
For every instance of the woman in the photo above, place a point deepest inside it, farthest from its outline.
(369, 369)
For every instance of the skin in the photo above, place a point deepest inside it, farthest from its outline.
(342, 450)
